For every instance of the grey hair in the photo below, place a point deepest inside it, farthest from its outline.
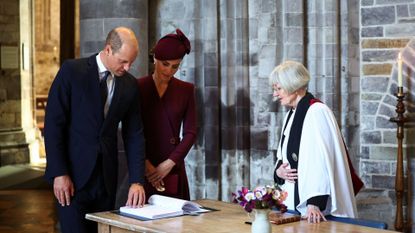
(290, 75)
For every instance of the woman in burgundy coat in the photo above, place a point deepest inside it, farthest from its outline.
(167, 104)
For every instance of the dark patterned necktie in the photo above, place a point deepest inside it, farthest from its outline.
(104, 88)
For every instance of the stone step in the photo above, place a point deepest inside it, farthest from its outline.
(23, 176)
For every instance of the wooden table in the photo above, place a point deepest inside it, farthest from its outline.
(229, 218)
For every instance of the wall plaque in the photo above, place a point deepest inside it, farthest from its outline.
(9, 57)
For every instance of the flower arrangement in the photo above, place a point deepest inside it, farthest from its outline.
(261, 197)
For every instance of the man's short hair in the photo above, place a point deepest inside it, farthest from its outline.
(114, 40)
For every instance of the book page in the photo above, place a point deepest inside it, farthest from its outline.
(161, 207)
(151, 211)
(192, 207)
(174, 203)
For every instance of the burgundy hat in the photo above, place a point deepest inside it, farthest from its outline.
(172, 46)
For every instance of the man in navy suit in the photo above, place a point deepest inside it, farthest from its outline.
(87, 100)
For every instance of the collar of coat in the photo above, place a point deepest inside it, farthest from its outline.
(297, 128)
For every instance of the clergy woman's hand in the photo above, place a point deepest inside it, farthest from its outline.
(314, 214)
(286, 173)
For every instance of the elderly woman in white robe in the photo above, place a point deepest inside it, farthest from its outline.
(312, 161)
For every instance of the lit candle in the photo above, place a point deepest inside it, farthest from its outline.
(399, 70)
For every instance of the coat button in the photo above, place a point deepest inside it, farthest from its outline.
(172, 141)
(294, 156)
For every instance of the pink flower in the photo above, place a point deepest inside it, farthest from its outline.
(244, 190)
(262, 197)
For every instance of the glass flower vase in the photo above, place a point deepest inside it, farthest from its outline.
(260, 223)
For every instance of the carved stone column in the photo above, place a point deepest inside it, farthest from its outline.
(98, 17)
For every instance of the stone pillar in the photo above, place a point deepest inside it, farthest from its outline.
(266, 50)
(234, 98)
(350, 76)
(98, 17)
(17, 131)
(206, 154)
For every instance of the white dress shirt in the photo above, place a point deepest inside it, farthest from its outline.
(110, 83)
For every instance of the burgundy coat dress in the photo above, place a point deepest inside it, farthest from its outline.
(162, 120)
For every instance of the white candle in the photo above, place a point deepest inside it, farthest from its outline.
(399, 70)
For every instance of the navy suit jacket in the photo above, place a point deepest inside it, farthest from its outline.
(76, 131)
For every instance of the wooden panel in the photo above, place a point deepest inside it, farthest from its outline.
(119, 230)
(104, 228)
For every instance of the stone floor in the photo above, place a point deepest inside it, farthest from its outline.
(26, 201)
(27, 211)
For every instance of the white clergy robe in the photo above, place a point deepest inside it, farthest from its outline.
(322, 164)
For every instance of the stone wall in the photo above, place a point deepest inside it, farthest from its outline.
(17, 132)
(46, 54)
(10, 111)
(12, 139)
(387, 28)
(46, 39)
(94, 26)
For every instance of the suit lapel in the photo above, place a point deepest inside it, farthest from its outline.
(93, 92)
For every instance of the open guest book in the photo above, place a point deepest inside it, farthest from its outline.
(163, 207)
